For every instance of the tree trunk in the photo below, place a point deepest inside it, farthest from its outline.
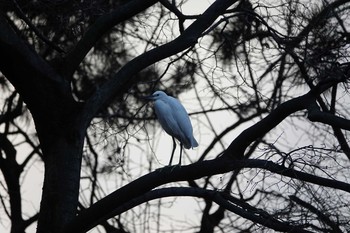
(62, 141)
(58, 121)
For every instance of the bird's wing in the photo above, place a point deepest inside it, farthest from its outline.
(165, 117)
(183, 123)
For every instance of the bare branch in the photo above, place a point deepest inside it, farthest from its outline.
(225, 200)
(102, 210)
(314, 114)
(323, 217)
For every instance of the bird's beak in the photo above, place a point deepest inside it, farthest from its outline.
(149, 97)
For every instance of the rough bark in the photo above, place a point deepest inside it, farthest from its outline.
(62, 178)
(59, 126)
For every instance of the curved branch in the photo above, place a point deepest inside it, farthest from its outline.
(258, 130)
(30, 74)
(99, 28)
(225, 132)
(124, 77)
(226, 163)
(225, 200)
(106, 207)
(289, 172)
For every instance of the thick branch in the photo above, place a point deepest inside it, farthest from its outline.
(224, 200)
(124, 77)
(99, 28)
(106, 207)
(258, 130)
(289, 172)
(31, 75)
(314, 114)
(21, 15)
(241, 143)
(225, 132)
(223, 164)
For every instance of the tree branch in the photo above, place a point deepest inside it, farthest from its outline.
(315, 115)
(321, 216)
(225, 200)
(292, 173)
(123, 79)
(31, 75)
(106, 207)
(258, 130)
(98, 29)
(227, 162)
(11, 114)
(172, 7)
(21, 15)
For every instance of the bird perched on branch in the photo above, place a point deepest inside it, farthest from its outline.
(174, 119)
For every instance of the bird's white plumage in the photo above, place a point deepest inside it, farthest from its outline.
(174, 119)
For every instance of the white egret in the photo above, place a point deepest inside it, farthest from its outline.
(174, 119)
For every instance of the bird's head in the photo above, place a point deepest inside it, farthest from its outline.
(156, 95)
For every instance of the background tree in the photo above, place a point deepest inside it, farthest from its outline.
(266, 86)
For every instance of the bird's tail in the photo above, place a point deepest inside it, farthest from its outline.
(194, 142)
(189, 142)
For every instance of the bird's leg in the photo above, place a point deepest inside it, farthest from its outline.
(172, 153)
(180, 154)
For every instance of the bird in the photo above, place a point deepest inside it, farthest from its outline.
(175, 121)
